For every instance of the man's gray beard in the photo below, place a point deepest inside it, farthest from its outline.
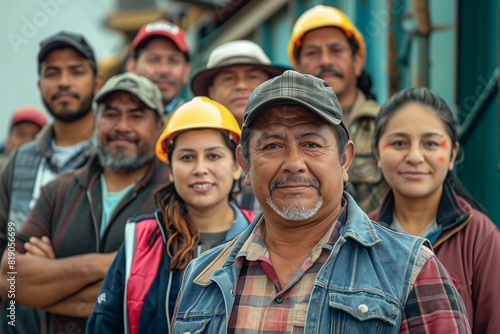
(295, 212)
(119, 162)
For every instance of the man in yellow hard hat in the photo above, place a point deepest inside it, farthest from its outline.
(326, 44)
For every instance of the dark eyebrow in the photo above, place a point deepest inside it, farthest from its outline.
(403, 134)
(270, 135)
(187, 149)
(307, 134)
(214, 148)
(51, 67)
(137, 109)
(432, 134)
(71, 66)
(76, 66)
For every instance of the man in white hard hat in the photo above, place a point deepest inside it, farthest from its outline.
(233, 71)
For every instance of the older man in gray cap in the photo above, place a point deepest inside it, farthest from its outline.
(66, 245)
(312, 262)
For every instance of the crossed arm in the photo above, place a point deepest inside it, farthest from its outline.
(67, 286)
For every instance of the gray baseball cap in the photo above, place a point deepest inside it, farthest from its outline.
(141, 87)
(299, 89)
(66, 39)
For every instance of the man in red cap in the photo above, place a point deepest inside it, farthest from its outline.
(160, 53)
(24, 126)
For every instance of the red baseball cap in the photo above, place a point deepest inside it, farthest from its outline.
(162, 28)
(29, 114)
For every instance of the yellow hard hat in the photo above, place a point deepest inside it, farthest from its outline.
(323, 16)
(199, 113)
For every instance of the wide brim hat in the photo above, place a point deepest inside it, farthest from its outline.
(234, 53)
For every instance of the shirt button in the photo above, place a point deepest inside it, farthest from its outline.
(363, 309)
(279, 299)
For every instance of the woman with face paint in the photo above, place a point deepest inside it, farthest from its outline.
(196, 212)
(416, 147)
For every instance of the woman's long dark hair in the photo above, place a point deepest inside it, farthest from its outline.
(182, 236)
(425, 97)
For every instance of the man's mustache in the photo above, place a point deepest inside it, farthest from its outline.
(331, 70)
(292, 180)
(120, 136)
(159, 79)
(65, 92)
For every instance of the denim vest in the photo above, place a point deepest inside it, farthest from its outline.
(362, 287)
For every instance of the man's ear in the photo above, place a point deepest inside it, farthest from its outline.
(159, 125)
(348, 157)
(98, 82)
(237, 172)
(243, 165)
(358, 64)
(187, 71)
(241, 161)
(131, 64)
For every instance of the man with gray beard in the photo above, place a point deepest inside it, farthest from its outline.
(312, 261)
(71, 236)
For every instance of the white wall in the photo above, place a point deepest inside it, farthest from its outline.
(24, 23)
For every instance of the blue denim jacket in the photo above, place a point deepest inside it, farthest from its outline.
(362, 287)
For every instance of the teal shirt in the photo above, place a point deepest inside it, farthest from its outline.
(110, 201)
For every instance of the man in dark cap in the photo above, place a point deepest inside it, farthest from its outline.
(68, 81)
(312, 262)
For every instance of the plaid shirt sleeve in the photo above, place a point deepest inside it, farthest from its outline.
(434, 305)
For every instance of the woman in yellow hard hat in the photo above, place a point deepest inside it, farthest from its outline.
(196, 212)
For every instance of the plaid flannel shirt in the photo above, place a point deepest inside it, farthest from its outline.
(263, 306)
